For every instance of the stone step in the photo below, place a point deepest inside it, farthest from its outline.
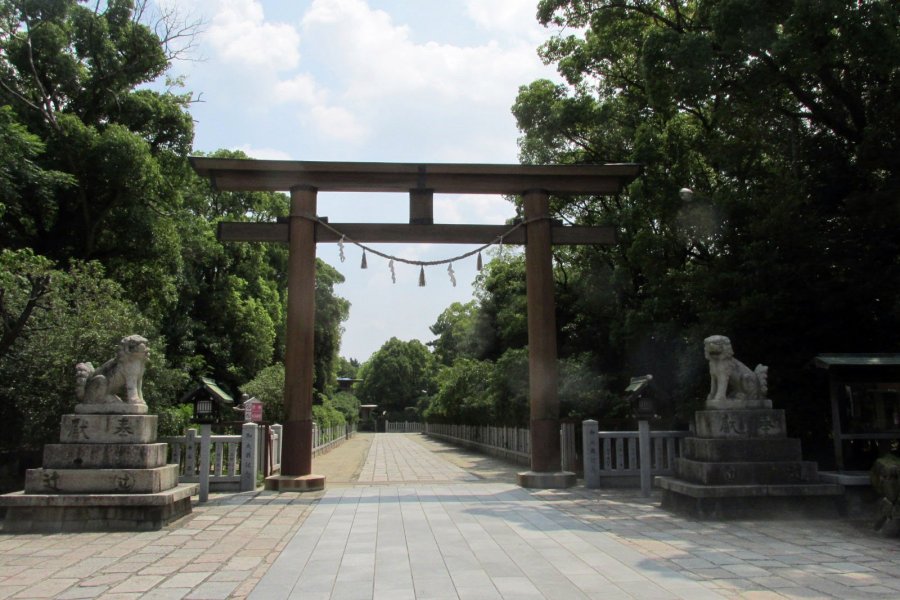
(804, 500)
(101, 481)
(746, 473)
(740, 424)
(742, 450)
(95, 512)
(104, 456)
(108, 429)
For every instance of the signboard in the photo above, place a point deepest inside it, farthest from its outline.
(253, 410)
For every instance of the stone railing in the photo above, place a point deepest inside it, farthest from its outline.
(404, 427)
(231, 462)
(326, 439)
(510, 443)
(613, 458)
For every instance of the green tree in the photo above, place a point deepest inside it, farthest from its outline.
(462, 396)
(348, 404)
(455, 328)
(229, 321)
(70, 72)
(24, 288)
(331, 311)
(347, 368)
(268, 388)
(397, 376)
(501, 321)
(779, 116)
(509, 388)
(19, 174)
(81, 318)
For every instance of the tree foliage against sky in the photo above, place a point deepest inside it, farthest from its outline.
(108, 230)
(397, 377)
(782, 118)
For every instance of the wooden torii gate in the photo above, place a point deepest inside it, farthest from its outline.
(302, 231)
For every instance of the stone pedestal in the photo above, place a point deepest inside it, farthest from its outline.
(558, 480)
(742, 464)
(106, 474)
(295, 483)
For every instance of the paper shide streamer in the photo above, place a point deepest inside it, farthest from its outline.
(420, 263)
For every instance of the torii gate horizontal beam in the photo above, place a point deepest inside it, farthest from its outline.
(390, 233)
(240, 175)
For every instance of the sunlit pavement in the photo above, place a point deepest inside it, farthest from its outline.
(406, 517)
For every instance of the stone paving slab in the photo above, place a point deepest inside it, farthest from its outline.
(466, 531)
(221, 550)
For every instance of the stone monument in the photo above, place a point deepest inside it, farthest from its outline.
(107, 473)
(740, 461)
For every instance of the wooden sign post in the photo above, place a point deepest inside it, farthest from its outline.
(302, 231)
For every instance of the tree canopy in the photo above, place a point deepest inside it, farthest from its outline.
(108, 232)
(781, 118)
(397, 377)
(767, 209)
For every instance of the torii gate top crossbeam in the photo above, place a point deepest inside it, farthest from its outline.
(241, 175)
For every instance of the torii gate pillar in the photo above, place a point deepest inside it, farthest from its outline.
(296, 465)
(546, 471)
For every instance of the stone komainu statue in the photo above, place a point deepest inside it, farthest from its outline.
(733, 384)
(124, 372)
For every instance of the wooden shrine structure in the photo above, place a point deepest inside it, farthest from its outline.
(302, 230)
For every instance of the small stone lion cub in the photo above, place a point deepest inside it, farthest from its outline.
(733, 384)
(125, 371)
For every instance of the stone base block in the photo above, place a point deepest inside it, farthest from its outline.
(95, 512)
(746, 473)
(108, 429)
(751, 501)
(740, 423)
(111, 408)
(295, 483)
(104, 456)
(546, 480)
(101, 481)
(738, 450)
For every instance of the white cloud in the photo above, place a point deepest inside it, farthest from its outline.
(338, 123)
(376, 58)
(505, 16)
(302, 88)
(240, 34)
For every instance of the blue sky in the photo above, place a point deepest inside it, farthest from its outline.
(370, 80)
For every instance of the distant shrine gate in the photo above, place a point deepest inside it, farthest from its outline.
(302, 231)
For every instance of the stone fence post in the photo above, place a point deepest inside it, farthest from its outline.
(590, 445)
(190, 452)
(205, 433)
(644, 451)
(276, 453)
(249, 459)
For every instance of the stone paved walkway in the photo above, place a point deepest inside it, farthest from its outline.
(466, 531)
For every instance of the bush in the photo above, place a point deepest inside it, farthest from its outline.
(326, 416)
(348, 404)
(175, 420)
(268, 388)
